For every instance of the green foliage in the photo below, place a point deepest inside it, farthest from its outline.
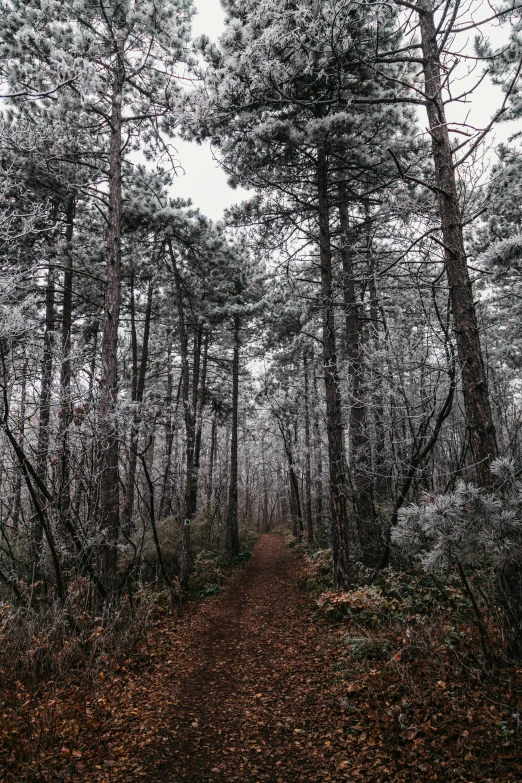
(318, 574)
(207, 573)
(398, 599)
(209, 590)
(248, 538)
(291, 541)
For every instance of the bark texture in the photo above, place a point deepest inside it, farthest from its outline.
(138, 390)
(42, 453)
(360, 452)
(66, 412)
(479, 418)
(108, 431)
(308, 459)
(338, 508)
(231, 522)
(189, 429)
(474, 385)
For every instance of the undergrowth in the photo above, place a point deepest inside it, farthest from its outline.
(410, 658)
(43, 641)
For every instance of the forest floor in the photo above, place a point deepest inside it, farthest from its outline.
(243, 688)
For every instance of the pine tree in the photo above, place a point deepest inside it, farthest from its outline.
(120, 59)
(279, 117)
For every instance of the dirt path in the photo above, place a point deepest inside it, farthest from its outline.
(251, 705)
(248, 688)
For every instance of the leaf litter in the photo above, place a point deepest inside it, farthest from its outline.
(253, 685)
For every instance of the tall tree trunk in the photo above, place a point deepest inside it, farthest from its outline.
(45, 412)
(200, 404)
(360, 454)
(381, 480)
(64, 498)
(17, 500)
(93, 450)
(107, 427)
(231, 522)
(265, 485)
(138, 390)
(194, 443)
(338, 509)
(134, 337)
(295, 497)
(148, 464)
(474, 385)
(482, 436)
(189, 428)
(283, 499)
(169, 434)
(318, 456)
(128, 503)
(308, 458)
(211, 461)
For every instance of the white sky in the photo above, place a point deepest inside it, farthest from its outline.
(201, 178)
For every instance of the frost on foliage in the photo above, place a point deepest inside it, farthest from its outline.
(468, 526)
(505, 253)
(18, 312)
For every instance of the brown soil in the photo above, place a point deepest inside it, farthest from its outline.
(250, 686)
(252, 701)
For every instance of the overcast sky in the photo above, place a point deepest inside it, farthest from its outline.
(202, 180)
(206, 184)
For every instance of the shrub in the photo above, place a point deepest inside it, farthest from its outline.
(209, 590)
(248, 538)
(468, 526)
(363, 648)
(367, 604)
(207, 571)
(43, 640)
(472, 527)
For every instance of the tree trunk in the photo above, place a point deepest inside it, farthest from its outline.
(308, 463)
(265, 485)
(474, 386)
(318, 458)
(381, 479)
(295, 498)
(138, 390)
(45, 412)
(184, 562)
(360, 454)
(134, 338)
(199, 379)
(189, 430)
(148, 462)
(17, 500)
(92, 453)
(231, 522)
(482, 436)
(107, 427)
(338, 510)
(200, 404)
(64, 497)
(169, 435)
(211, 460)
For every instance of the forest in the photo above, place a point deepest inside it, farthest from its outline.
(261, 476)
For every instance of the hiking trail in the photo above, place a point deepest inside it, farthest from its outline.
(251, 703)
